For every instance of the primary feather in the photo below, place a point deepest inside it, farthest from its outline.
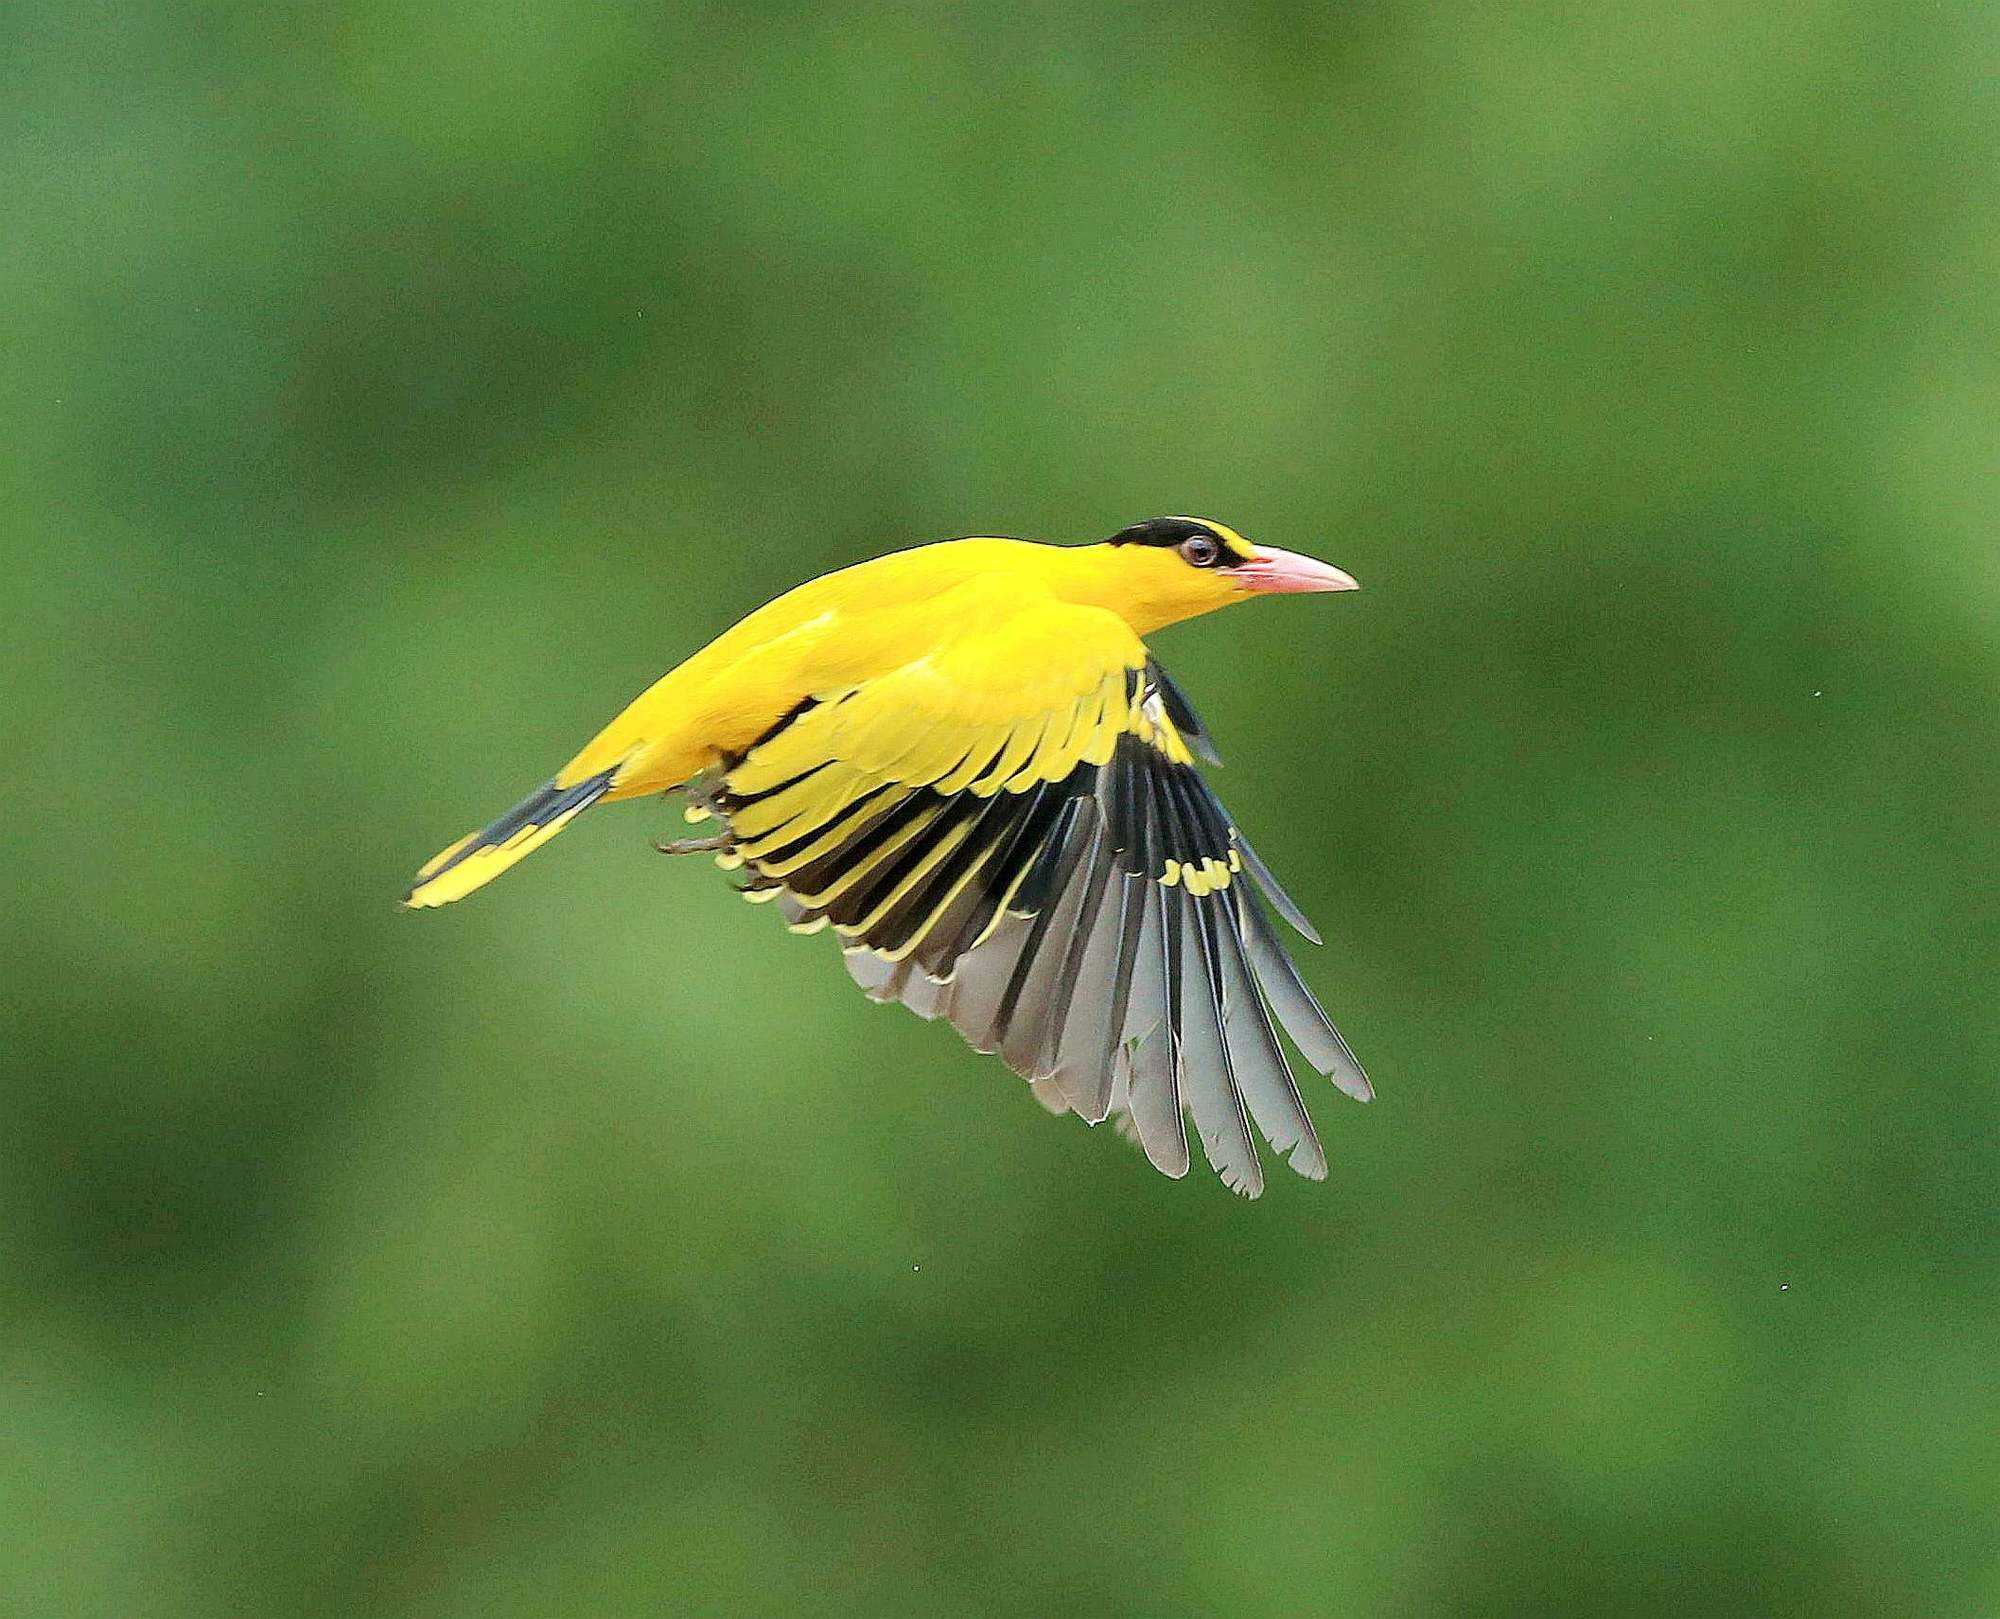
(964, 761)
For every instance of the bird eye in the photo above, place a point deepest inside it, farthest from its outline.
(1201, 551)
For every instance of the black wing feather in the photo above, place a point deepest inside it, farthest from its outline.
(1103, 933)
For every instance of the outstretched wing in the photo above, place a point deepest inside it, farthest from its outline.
(1011, 834)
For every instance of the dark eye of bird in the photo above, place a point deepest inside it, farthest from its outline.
(1202, 551)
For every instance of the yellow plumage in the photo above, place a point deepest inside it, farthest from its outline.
(953, 754)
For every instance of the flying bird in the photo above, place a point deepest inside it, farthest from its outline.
(964, 760)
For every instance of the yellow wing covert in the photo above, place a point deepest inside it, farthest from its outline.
(1010, 832)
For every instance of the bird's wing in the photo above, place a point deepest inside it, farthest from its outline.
(1010, 833)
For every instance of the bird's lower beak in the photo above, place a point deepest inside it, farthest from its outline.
(1286, 572)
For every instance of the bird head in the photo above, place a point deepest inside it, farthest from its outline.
(1170, 568)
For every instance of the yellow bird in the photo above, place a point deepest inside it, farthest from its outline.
(965, 761)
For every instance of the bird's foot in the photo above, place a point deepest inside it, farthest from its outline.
(692, 845)
(704, 803)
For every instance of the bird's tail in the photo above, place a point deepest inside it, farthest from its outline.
(477, 859)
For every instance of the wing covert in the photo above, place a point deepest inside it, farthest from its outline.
(1011, 834)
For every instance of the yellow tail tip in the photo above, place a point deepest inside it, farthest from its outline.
(477, 859)
(430, 867)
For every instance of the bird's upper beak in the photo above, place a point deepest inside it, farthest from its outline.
(1275, 571)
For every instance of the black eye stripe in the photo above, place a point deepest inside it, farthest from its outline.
(1166, 531)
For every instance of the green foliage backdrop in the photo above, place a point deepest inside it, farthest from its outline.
(393, 388)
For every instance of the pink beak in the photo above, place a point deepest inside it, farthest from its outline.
(1286, 572)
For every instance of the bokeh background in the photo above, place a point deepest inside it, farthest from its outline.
(392, 389)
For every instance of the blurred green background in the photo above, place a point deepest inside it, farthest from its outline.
(394, 388)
